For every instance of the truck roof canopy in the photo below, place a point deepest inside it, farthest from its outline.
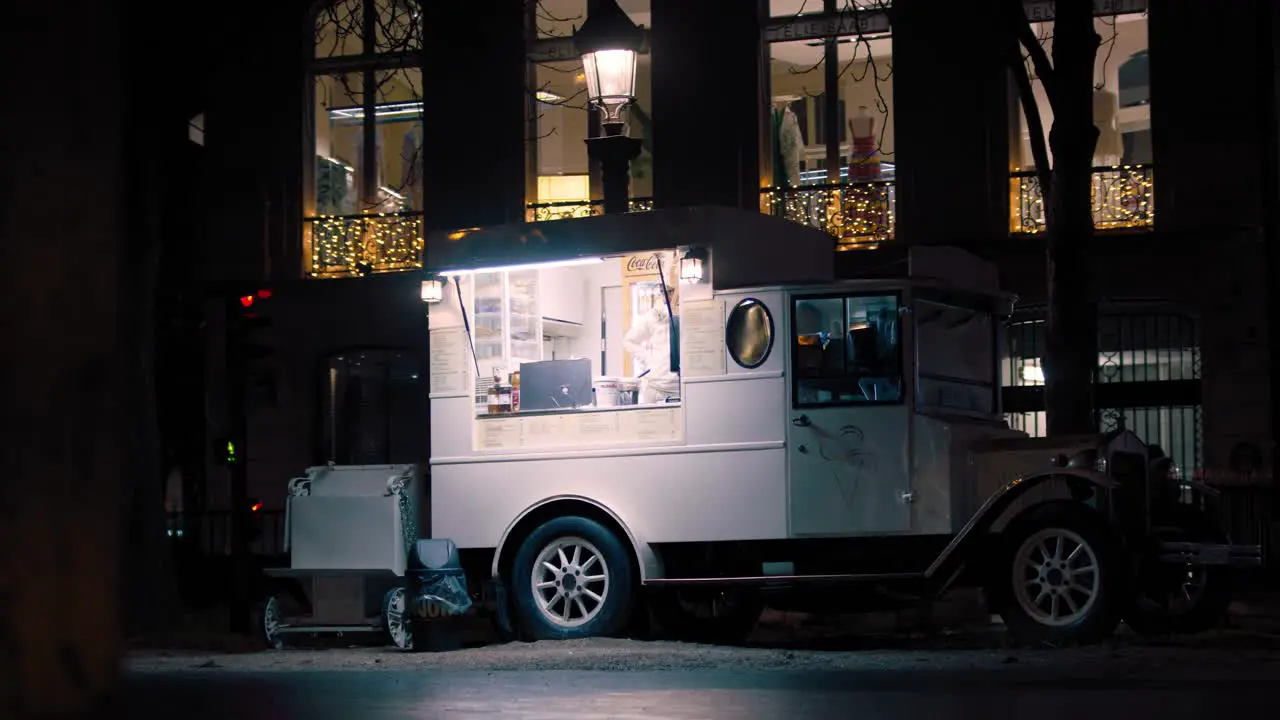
(747, 248)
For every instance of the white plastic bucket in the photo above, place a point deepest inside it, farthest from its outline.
(606, 391)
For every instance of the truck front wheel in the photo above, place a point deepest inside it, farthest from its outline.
(1173, 599)
(1061, 576)
(571, 579)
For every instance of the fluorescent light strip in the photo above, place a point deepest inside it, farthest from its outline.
(527, 266)
(339, 163)
(548, 97)
(385, 110)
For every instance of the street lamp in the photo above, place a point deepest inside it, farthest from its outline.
(608, 42)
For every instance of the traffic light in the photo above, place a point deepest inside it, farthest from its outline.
(246, 322)
(255, 519)
(225, 451)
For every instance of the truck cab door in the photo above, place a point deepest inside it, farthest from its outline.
(847, 440)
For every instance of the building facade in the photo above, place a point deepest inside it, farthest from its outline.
(330, 155)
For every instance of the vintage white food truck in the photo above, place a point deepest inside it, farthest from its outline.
(684, 411)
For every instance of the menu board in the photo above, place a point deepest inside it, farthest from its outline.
(499, 434)
(579, 429)
(448, 360)
(702, 348)
(649, 425)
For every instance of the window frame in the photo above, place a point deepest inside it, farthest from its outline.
(367, 65)
(332, 436)
(957, 301)
(773, 333)
(899, 298)
(850, 25)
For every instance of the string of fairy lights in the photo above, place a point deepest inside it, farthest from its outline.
(354, 245)
(1123, 197)
(858, 215)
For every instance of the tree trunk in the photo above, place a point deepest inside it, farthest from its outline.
(65, 402)
(1071, 336)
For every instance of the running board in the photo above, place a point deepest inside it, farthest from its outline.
(837, 579)
(1211, 554)
(285, 629)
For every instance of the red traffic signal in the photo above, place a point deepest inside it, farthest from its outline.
(246, 301)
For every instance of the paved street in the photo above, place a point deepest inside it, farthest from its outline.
(657, 680)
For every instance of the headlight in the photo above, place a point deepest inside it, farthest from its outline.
(1088, 460)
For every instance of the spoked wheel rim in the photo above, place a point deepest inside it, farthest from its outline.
(570, 582)
(1056, 577)
(271, 620)
(395, 618)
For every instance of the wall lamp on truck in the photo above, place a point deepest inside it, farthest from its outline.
(433, 288)
(693, 266)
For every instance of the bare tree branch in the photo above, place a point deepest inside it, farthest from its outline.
(1016, 15)
(1031, 111)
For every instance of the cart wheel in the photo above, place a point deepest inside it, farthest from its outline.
(707, 615)
(571, 579)
(1061, 576)
(395, 620)
(1177, 599)
(268, 618)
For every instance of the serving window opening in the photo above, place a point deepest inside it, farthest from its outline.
(846, 350)
(562, 349)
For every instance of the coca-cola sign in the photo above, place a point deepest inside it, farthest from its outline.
(642, 264)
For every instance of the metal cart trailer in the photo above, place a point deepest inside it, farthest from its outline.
(349, 532)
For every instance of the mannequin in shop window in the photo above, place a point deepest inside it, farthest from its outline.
(788, 143)
(649, 343)
(1110, 148)
(864, 165)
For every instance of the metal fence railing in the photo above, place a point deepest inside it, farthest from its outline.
(210, 532)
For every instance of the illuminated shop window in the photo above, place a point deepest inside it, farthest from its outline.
(562, 121)
(831, 135)
(363, 203)
(1122, 177)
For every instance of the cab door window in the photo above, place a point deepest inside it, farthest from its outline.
(846, 350)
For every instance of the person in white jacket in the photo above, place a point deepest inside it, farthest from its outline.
(649, 342)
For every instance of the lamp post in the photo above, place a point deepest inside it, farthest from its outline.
(608, 42)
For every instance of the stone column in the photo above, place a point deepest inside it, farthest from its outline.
(474, 113)
(707, 103)
(951, 123)
(1205, 136)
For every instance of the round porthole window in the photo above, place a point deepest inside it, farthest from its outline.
(749, 333)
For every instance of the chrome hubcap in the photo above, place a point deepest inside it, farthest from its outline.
(396, 625)
(1055, 577)
(271, 620)
(570, 581)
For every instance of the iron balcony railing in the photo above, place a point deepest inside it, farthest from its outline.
(539, 212)
(1122, 199)
(858, 214)
(355, 245)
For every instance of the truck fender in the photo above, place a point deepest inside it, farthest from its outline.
(647, 560)
(951, 560)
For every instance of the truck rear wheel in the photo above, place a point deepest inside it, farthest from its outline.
(571, 579)
(1061, 576)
